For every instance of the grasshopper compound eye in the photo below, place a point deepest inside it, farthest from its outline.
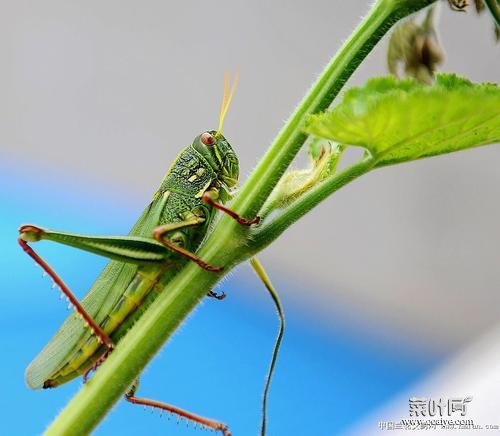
(207, 139)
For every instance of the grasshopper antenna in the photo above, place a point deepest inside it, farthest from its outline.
(260, 271)
(226, 100)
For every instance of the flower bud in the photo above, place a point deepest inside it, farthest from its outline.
(323, 157)
(417, 47)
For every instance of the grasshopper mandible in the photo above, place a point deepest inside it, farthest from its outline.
(165, 236)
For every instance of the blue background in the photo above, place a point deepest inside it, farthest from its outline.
(326, 379)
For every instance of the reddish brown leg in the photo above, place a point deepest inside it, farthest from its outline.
(214, 294)
(100, 334)
(204, 422)
(158, 235)
(243, 221)
(96, 364)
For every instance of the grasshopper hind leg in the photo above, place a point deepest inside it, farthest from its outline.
(181, 413)
(100, 334)
(103, 338)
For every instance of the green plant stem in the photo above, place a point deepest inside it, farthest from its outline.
(274, 227)
(284, 148)
(134, 351)
(494, 8)
(228, 243)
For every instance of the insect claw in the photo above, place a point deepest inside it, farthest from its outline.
(44, 274)
(217, 296)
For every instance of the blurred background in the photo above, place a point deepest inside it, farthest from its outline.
(390, 287)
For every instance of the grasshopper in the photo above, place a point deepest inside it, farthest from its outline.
(165, 236)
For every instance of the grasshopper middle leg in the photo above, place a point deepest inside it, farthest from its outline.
(204, 422)
(159, 235)
(208, 197)
(215, 295)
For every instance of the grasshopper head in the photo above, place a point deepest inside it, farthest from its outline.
(215, 148)
(218, 152)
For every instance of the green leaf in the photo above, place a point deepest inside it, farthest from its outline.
(403, 120)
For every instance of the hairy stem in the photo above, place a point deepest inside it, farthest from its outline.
(133, 352)
(228, 243)
(289, 140)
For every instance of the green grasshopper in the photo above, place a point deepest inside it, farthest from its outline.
(165, 236)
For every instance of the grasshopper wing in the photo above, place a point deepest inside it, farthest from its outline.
(102, 296)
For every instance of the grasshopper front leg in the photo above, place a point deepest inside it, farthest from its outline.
(210, 198)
